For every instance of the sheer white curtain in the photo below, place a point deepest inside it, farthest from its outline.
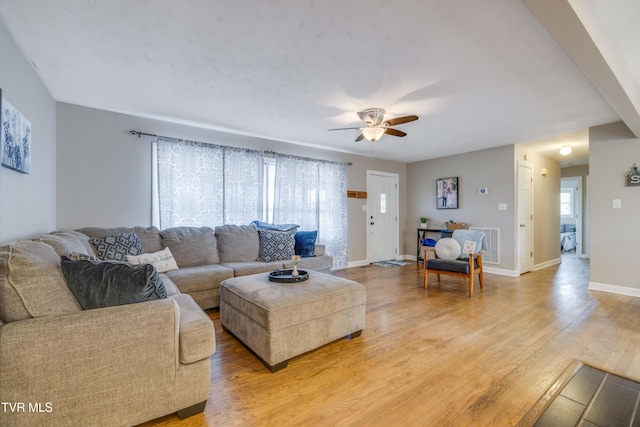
(313, 193)
(243, 186)
(205, 184)
(190, 177)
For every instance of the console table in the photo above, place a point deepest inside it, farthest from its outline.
(422, 234)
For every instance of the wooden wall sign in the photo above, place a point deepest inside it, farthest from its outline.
(356, 194)
(633, 176)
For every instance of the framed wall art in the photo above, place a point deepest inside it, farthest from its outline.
(15, 138)
(447, 193)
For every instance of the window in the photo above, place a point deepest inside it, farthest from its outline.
(199, 184)
(566, 202)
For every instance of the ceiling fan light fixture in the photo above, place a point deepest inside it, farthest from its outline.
(373, 133)
(566, 150)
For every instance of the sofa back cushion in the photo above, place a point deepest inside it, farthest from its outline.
(65, 243)
(238, 243)
(191, 246)
(32, 283)
(149, 236)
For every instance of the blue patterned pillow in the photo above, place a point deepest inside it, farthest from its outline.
(306, 243)
(276, 245)
(117, 246)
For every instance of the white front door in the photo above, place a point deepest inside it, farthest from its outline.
(525, 217)
(382, 216)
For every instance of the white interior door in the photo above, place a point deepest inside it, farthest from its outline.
(525, 217)
(382, 216)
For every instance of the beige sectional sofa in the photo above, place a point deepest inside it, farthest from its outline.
(119, 365)
(206, 257)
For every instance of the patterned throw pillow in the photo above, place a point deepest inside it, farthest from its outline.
(276, 245)
(117, 246)
(306, 243)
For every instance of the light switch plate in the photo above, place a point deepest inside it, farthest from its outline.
(502, 207)
(616, 203)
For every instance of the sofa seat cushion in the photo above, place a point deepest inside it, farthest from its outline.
(32, 283)
(98, 284)
(238, 243)
(169, 286)
(191, 246)
(196, 335)
(312, 263)
(246, 268)
(149, 236)
(459, 265)
(193, 279)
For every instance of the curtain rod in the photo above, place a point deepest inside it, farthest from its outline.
(273, 153)
(140, 133)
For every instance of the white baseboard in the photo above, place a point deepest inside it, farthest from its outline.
(547, 264)
(500, 271)
(614, 289)
(357, 263)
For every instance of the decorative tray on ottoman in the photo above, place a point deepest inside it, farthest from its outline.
(284, 276)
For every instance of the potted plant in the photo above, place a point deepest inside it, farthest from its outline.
(423, 221)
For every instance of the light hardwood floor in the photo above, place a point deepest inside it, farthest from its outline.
(434, 357)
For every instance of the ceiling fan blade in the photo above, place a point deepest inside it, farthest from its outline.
(360, 138)
(400, 120)
(343, 128)
(394, 132)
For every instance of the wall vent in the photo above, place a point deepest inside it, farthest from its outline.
(492, 254)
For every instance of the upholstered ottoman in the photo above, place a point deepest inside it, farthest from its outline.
(278, 321)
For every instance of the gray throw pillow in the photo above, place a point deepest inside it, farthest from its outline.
(97, 284)
(117, 246)
(276, 245)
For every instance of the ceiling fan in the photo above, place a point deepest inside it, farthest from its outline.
(376, 126)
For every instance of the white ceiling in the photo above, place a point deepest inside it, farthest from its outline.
(479, 74)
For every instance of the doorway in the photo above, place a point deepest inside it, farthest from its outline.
(382, 216)
(571, 216)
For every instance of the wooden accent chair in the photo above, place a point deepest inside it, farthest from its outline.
(466, 265)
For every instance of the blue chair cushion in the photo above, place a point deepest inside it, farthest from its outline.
(457, 265)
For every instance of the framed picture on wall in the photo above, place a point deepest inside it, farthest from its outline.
(15, 138)
(447, 193)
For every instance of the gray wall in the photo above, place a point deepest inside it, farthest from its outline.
(28, 202)
(493, 168)
(104, 173)
(614, 233)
